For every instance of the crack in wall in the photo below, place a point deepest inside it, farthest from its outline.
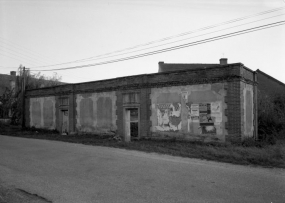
(33, 195)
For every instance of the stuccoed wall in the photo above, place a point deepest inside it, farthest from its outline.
(96, 112)
(248, 110)
(189, 112)
(42, 112)
(204, 103)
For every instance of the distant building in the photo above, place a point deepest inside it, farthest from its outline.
(267, 85)
(7, 82)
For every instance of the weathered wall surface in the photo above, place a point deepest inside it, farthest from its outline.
(96, 112)
(248, 107)
(203, 103)
(189, 112)
(42, 112)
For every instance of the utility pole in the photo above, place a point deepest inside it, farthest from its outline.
(23, 96)
(255, 93)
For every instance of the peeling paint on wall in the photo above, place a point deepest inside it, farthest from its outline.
(207, 115)
(168, 117)
(96, 112)
(200, 109)
(42, 112)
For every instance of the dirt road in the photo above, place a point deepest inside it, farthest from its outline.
(64, 172)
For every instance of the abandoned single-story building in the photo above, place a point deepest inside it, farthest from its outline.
(208, 102)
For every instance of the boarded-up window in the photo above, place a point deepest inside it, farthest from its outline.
(131, 98)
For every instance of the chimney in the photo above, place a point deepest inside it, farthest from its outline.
(160, 64)
(13, 73)
(223, 61)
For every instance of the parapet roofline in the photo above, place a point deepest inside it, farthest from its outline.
(150, 74)
(266, 75)
(170, 67)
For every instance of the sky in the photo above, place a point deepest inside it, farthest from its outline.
(40, 34)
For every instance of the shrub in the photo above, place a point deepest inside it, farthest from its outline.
(271, 118)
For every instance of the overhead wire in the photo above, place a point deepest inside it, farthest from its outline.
(20, 55)
(183, 39)
(13, 57)
(5, 41)
(175, 47)
(166, 38)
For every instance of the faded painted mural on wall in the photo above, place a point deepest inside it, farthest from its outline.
(169, 116)
(191, 110)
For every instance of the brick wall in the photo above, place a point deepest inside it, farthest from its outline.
(269, 85)
(233, 111)
(247, 74)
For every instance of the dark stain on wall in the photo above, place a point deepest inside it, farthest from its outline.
(36, 113)
(48, 113)
(86, 112)
(104, 112)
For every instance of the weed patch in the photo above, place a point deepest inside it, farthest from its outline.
(248, 153)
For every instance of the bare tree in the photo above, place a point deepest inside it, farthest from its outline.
(12, 100)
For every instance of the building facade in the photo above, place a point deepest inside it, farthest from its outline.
(207, 103)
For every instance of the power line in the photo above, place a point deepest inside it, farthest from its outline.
(18, 54)
(8, 67)
(16, 58)
(182, 39)
(168, 38)
(23, 49)
(176, 47)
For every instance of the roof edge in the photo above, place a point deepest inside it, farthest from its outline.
(281, 83)
(160, 73)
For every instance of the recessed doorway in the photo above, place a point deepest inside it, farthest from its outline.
(131, 123)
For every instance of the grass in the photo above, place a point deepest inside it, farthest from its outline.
(257, 154)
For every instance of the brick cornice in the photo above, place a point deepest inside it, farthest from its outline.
(194, 81)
